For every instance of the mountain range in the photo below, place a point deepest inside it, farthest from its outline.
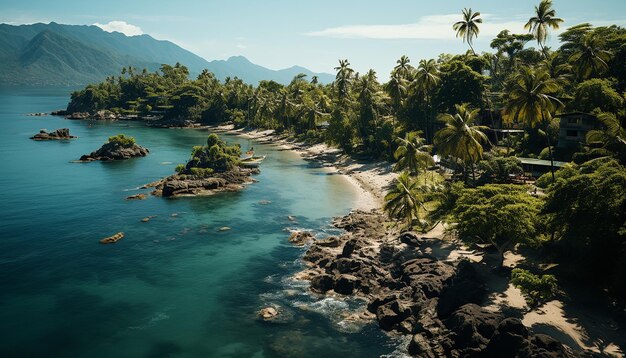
(69, 55)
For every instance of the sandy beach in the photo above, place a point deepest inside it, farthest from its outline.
(370, 179)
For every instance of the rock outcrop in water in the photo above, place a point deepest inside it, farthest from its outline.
(194, 185)
(62, 133)
(410, 291)
(212, 168)
(118, 147)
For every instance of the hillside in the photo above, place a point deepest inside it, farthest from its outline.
(66, 55)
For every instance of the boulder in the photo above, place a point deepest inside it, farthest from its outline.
(472, 326)
(465, 286)
(268, 313)
(112, 239)
(331, 241)
(322, 283)
(300, 238)
(391, 314)
(347, 284)
(140, 196)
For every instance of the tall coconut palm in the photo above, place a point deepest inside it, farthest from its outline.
(404, 200)
(468, 27)
(544, 20)
(426, 80)
(403, 68)
(412, 154)
(590, 58)
(343, 80)
(532, 101)
(461, 138)
(396, 89)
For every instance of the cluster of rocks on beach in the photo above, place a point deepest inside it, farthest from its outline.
(410, 291)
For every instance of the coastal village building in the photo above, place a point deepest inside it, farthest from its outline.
(573, 128)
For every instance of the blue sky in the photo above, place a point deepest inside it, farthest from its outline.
(313, 34)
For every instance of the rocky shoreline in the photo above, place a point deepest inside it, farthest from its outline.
(411, 291)
(178, 185)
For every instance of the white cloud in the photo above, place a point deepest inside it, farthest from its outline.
(121, 26)
(432, 27)
(241, 46)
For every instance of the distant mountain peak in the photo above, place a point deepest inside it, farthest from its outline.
(58, 54)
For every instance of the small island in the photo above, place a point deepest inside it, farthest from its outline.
(213, 168)
(62, 133)
(118, 147)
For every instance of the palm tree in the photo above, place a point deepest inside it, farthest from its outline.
(343, 80)
(426, 80)
(531, 100)
(412, 153)
(560, 72)
(403, 68)
(544, 19)
(404, 200)
(612, 138)
(367, 87)
(461, 138)
(590, 58)
(396, 89)
(468, 27)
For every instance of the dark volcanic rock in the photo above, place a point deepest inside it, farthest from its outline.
(322, 283)
(412, 292)
(346, 284)
(472, 326)
(184, 184)
(115, 151)
(463, 287)
(63, 133)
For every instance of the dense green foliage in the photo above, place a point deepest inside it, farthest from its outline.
(536, 289)
(500, 215)
(586, 209)
(216, 156)
(499, 169)
(122, 140)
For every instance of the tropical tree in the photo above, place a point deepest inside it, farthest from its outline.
(591, 57)
(412, 153)
(498, 214)
(468, 27)
(405, 199)
(544, 20)
(426, 80)
(343, 80)
(531, 100)
(611, 139)
(396, 89)
(461, 138)
(403, 68)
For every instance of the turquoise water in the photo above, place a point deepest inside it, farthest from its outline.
(174, 286)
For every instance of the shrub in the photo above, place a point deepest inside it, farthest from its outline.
(122, 140)
(536, 289)
(201, 172)
(180, 168)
